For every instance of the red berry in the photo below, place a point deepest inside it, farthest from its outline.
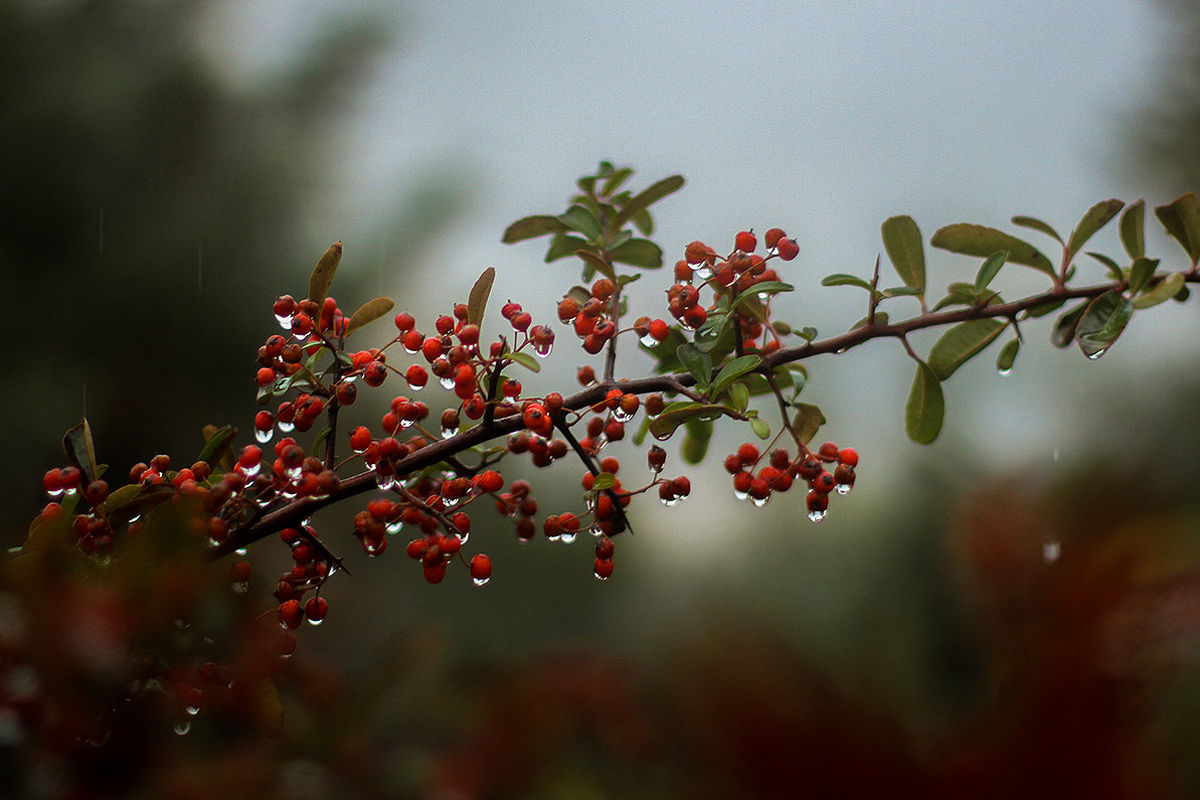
(695, 252)
(290, 614)
(828, 451)
(416, 376)
(265, 376)
(404, 322)
(772, 237)
(481, 569)
(787, 249)
(848, 456)
(745, 241)
(315, 609)
(603, 568)
(747, 453)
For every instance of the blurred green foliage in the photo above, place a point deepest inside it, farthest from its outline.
(153, 206)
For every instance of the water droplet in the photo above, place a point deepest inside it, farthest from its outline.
(385, 482)
(415, 387)
(250, 472)
(293, 473)
(816, 516)
(620, 416)
(301, 337)
(662, 437)
(406, 423)
(394, 527)
(284, 320)
(1098, 353)
(315, 622)
(844, 488)
(759, 502)
(72, 491)
(703, 270)
(262, 437)
(542, 350)
(448, 433)
(447, 383)
(1051, 550)
(285, 427)
(410, 351)
(374, 548)
(668, 502)
(568, 537)
(480, 581)
(1004, 373)
(598, 576)
(241, 587)
(649, 341)
(764, 297)
(182, 728)
(741, 495)
(134, 518)
(192, 710)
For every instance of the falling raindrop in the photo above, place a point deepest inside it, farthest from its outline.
(1051, 550)
(262, 437)
(480, 581)
(816, 516)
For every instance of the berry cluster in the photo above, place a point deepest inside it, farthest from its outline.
(758, 483)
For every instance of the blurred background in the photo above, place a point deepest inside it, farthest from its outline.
(1012, 610)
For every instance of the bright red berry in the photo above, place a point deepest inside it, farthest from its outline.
(787, 249)
(745, 241)
(481, 569)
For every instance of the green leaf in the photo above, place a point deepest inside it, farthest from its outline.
(216, 440)
(480, 292)
(525, 360)
(1102, 323)
(902, 241)
(1167, 288)
(645, 198)
(979, 240)
(926, 408)
(1065, 326)
(696, 362)
(81, 451)
(881, 319)
(1036, 224)
(697, 433)
(732, 371)
(638, 253)
(989, 268)
(960, 343)
(604, 480)
(643, 222)
(369, 312)
(842, 279)
(1008, 355)
(902, 291)
(563, 245)
(760, 427)
(675, 414)
(1096, 218)
(806, 333)
(1114, 269)
(614, 181)
(597, 263)
(319, 443)
(708, 335)
(807, 421)
(322, 274)
(580, 219)
(1140, 273)
(533, 227)
(1133, 229)
(739, 396)
(664, 353)
(1181, 218)
(1044, 309)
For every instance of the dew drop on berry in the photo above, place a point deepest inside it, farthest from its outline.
(669, 501)
(406, 423)
(192, 710)
(285, 427)
(250, 472)
(703, 270)
(567, 537)
(134, 518)
(394, 527)
(447, 383)
(449, 432)
(385, 482)
(741, 495)
(54, 494)
(542, 350)
(262, 437)
(1051, 550)
(620, 416)
(481, 581)
(284, 320)
(598, 576)
(816, 516)
(182, 728)
(844, 488)
(649, 341)
(315, 622)
(759, 502)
